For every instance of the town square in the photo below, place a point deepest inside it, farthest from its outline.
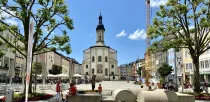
(104, 51)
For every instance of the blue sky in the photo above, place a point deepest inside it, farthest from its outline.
(124, 17)
(124, 21)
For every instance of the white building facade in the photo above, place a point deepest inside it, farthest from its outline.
(100, 60)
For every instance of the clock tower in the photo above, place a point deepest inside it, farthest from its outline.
(100, 31)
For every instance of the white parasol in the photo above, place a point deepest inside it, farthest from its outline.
(62, 75)
(77, 75)
(11, 71)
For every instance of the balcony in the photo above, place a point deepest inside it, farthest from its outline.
(204, 70)
(6, 68)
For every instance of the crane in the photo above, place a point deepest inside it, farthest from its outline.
(148, 20)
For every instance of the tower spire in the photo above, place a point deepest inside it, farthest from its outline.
(100, 25)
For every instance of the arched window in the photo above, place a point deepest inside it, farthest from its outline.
(93, 59)
(106, 72)
(99, 59)
(99, 37)
(106, 59)
(93, 71)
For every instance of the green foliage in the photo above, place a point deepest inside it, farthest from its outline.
(55, 70)
(183, 24)
(165, 70)
(48, 16)
(37, 67)
(1, 52)
(139, 71)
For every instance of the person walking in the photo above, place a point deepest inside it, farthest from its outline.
(205, 87)
(58, 91)
(100, 89)
(93, 82)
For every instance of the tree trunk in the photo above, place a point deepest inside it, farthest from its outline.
(30, 83)
(196, 75)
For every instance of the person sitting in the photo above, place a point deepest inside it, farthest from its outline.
(72, 90)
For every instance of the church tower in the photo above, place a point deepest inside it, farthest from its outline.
(100, 31)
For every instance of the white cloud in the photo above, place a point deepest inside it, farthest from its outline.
(91, 34)
(8, 18)
(157, 3)
(191, 27)
(45, 30)
(121, 34)
(138, 34)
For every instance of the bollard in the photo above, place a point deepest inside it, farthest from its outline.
(10, 95)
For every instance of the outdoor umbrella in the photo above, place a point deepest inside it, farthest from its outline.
(11, 71)
(77, 75)
(44, 74)
(51, 75)
(22, 74)
(62, 75)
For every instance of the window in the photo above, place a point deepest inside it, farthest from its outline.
(206, 64)
(202, 64)
(11, 38)
(86, 73)
(86, 66)
(112, 66)
(187, 66)
(106, 72)
(99, 37)
(93, 59)
(99, 58)
(190, 65)
(93, 71)
(186, 54)
(7, 37)
(106, 59)
(112, 73)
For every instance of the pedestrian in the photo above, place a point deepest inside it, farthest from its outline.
(58, 91)
(93, 82)
(205, 87)
(100, 89)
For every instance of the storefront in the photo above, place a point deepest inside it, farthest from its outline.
(3, 76)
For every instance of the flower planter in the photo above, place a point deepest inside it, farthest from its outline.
(147, 83)
(159, 85)
(21, 98)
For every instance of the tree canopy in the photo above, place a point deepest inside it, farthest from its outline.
(48, 16)
(165, 70)
(183, 24)
(37, 67)
(51, 23)
(55, 70)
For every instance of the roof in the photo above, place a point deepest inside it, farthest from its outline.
(100, 46)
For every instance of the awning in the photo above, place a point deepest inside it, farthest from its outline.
(3, 74)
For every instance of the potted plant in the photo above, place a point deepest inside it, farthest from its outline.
(161, 83)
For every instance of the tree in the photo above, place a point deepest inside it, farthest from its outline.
(139, 71)
(37, 67)
(1, 52)
(165, 70)
(55, 70)
(183, 24)
(48, 16)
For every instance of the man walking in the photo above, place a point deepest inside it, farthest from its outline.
(93, 82)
